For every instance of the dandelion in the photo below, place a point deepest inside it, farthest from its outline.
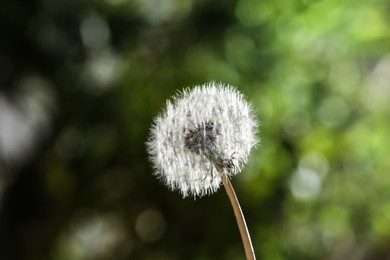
(203, 137)
(207, 126)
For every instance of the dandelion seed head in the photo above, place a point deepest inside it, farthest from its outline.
(210, 125)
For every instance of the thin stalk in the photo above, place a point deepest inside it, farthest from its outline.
(246, 239)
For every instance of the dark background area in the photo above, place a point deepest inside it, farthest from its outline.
(80, 84)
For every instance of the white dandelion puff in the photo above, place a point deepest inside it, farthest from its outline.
(204, 133)
(203, 137)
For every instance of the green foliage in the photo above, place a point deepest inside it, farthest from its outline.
(317, 73)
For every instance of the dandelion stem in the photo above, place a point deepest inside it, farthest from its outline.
(246, 239)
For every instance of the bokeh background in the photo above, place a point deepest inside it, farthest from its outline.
(80, 83)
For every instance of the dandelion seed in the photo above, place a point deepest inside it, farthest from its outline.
(203, 134)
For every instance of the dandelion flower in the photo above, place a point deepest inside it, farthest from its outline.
(204, 134)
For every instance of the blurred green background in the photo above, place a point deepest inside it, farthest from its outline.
(81, 81)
